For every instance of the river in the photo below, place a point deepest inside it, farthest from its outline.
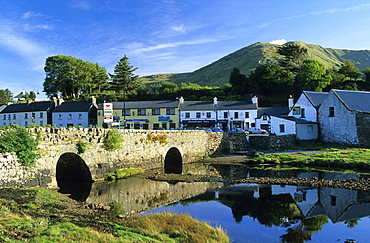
(248, 212)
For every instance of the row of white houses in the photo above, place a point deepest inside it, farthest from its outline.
(339, 116)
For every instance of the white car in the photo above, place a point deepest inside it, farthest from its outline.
(256, 130)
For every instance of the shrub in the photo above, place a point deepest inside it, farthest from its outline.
(123, 173)
(19, 140)
(113, 140)
(82, 146)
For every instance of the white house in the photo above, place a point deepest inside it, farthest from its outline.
(228, 115)
(264, 115)
(307, 105)
(69, 114)
(25, 114)
(344, 117)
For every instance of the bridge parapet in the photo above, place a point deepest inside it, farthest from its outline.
(141, 148)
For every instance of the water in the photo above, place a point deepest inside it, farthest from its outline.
(248, 212)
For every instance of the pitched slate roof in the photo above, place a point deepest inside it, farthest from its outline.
(316, 98)
(81, 106)
(143, 104)
(28, 107)
(354, 100)
(272, 111)
(221, 105)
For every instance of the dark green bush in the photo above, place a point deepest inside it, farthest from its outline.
(113, 140)
(19, 140)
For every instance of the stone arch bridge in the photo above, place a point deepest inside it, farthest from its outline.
(148, 149)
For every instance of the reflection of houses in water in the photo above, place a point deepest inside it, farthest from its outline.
(339, 204)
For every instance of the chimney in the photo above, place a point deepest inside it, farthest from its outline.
(215, 101)
(290, 102)
(181, 100)
(93, 100)
(255, 100)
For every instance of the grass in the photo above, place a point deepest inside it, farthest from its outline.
(40, 215)
(350, 158)
(124, 173)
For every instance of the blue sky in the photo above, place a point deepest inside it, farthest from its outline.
(164, 36)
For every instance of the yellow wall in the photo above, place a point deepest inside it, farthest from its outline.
(147, 121)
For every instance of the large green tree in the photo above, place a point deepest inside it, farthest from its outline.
(352, 74)
(312, 75)
(71, 78)
(5, 96)
(241, 83)
(293, 55)
(123, 80)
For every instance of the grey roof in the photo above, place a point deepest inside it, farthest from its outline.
(316, 98)
(272, 111)
(221, 105)
(143, 104)
(28, 107)
(354, 100)
(82, 106)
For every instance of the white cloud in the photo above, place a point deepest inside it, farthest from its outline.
(278, 42)
(31, 14)
(179, 28)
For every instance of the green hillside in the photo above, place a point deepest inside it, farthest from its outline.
(248, 58)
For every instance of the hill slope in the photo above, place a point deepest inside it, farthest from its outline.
(248, 58)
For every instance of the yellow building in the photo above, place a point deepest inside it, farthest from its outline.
(139, 114)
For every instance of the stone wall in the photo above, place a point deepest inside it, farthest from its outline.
(363, 128)
(141, 148)
(271, 142)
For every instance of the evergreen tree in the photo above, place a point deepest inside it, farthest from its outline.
(5, 96)
(124, 80)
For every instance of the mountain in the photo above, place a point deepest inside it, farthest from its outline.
(248, 58)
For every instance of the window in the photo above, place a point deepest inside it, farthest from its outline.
(303, 113)
(155, 125)
(247, 115)
(170, 111)
(282, 128)
(172, 125)
(141, 112)
(333, 200)
(246, 126)
(209, 115)
(9, 116)
(126, 112)
(4, 117)
(70, 117)
(14, 117)
(41, 123)
(26, 124)
(164, 125)
(146, 126)
(296, 110)
(197, 115)
(33, 116)
(264, 117)
(331, 111)
(41, 115)
(156, 112)
(60, 116)
(187, 115)
(79, 116)
(26, 116)
(236, 115)
(226, 114)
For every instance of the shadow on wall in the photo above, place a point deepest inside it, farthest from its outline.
(73, 176)
(173, 161)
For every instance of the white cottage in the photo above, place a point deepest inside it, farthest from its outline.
(344, 117)
(228, 115)
(25, 114)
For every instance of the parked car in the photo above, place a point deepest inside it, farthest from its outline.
(256, 130)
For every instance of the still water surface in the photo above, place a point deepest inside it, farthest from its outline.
(248, 212)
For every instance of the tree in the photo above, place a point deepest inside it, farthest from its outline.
(241, 83)
(312, 75)
(5, 96)
(293, 55)
(70, 77)
(272, 79)
(351, 72)
(124, 80)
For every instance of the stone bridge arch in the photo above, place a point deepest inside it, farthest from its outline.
(173, 161)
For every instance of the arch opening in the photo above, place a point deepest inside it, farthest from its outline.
(73, 176)
(173, 161)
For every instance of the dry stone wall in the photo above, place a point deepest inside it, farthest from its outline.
(141, 148)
